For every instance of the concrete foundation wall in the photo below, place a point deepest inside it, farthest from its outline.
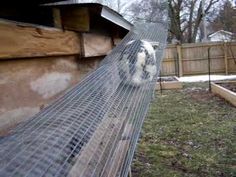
(28, 85)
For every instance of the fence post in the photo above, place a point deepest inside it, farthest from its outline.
(226, 58)
(179, 51)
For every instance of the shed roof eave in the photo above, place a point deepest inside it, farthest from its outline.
(115, 17)
(107, 13)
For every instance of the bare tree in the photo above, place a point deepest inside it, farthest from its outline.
(175, 9)
(147, 11)
(225, 19)
(186, 17)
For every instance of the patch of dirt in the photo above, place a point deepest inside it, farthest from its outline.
(203, 95)
(199, 94)
(166, 79)
(142, 158)
(176, 165)
(230, 86)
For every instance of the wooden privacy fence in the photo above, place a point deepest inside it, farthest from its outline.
(190, 59)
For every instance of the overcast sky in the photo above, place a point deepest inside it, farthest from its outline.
(125, 4)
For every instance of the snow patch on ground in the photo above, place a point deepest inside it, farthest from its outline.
(204, 78)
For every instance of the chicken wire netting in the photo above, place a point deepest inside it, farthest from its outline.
(93, 129)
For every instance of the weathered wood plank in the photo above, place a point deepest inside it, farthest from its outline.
(105, 152)
(96, 44)
(93, 153)
(180, 64)
(18, 40)
(226, 59)
(76, 18)
(119, 155)
(169, 85)
(120, 152)
(224, 93)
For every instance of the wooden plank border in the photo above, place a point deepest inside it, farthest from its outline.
(170, 85)
(224, 93)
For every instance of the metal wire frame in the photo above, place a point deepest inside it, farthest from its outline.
(66, 136)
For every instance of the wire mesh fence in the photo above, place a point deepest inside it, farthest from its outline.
(93, 129)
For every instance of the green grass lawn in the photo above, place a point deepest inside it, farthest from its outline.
(188, 132)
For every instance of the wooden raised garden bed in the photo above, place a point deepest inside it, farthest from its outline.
(168, 83)
(225, 89)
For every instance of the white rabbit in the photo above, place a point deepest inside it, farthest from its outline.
(137, 64)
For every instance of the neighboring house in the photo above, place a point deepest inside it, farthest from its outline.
(221, 35)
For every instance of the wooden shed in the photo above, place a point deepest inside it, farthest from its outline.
(46, 49)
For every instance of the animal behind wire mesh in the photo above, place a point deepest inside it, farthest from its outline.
(137, 64)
